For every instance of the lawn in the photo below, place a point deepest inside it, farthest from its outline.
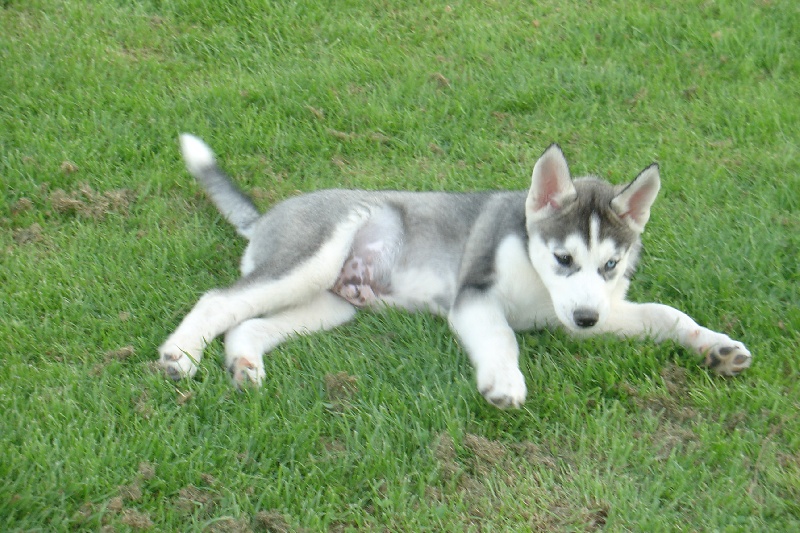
(107, 242)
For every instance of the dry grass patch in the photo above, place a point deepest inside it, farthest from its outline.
(492, 477)
(29, 235)
(340, 388)
(86, 202)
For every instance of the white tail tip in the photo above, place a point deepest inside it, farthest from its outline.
(196, 153)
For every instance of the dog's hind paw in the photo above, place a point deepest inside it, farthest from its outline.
(728, 359)
(246, 373)
(503, 388)
(178, 363)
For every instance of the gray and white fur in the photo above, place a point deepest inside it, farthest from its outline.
(558, 255)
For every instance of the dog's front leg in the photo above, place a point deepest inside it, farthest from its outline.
(480, 323)
(662, 322)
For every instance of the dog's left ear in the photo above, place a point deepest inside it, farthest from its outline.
(633, 204)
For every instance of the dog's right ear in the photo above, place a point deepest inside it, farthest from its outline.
(551, 185)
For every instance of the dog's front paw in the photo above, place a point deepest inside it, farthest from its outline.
(728, 358)
(178, 363)
(503, 387)
(247, 372)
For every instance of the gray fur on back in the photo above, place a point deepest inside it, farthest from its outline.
(442, 232)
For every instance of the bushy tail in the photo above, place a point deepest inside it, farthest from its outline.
(234, 205)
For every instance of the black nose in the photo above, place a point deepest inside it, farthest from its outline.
(585, 318)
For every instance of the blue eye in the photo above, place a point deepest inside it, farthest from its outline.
(611, 264)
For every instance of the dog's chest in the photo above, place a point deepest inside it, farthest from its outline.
(525, 298)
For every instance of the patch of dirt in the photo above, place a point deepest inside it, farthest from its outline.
(339, 162)
(146, 471)
(340, 388)
(333, 448)
(191, 499)
(68, 167)
(734, 420)
(586, 519)
(115, 504)
(344, 527)
(379, 137)
(342, 135)
(444, 450)
(440, 80)
(114, 509)
(534, 455)
(264, 196)
(89, 203)
(436, 149)
(119, 354)
(788, 461)
(132, 492)
(31, 234)
(667, 407)
(318, 113)
(669, 437)
(117, 507)
(136, 519)
(229, 524)
(84, 514)
(482, 456)
(272, 522)
(675, 378)
(483, 473)
(485, 450)
(183, 397)
(21, 205)
(142, 407)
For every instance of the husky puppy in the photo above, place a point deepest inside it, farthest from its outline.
(558, 255)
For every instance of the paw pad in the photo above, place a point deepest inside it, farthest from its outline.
(246, 373)
(728, 360)
(177, 363)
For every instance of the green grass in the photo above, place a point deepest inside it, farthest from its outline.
(107, 243)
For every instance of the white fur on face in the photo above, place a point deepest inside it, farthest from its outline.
(585, 284)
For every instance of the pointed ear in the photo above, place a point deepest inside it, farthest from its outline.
(633, 204)
(551, 185)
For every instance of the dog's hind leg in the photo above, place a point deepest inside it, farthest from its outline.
(246, 343)
(220, 310)
(662, 322)
(253, 296)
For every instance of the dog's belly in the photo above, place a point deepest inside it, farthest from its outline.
(388, 267)
(366, 273)
(412, 288)
(421, 288)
